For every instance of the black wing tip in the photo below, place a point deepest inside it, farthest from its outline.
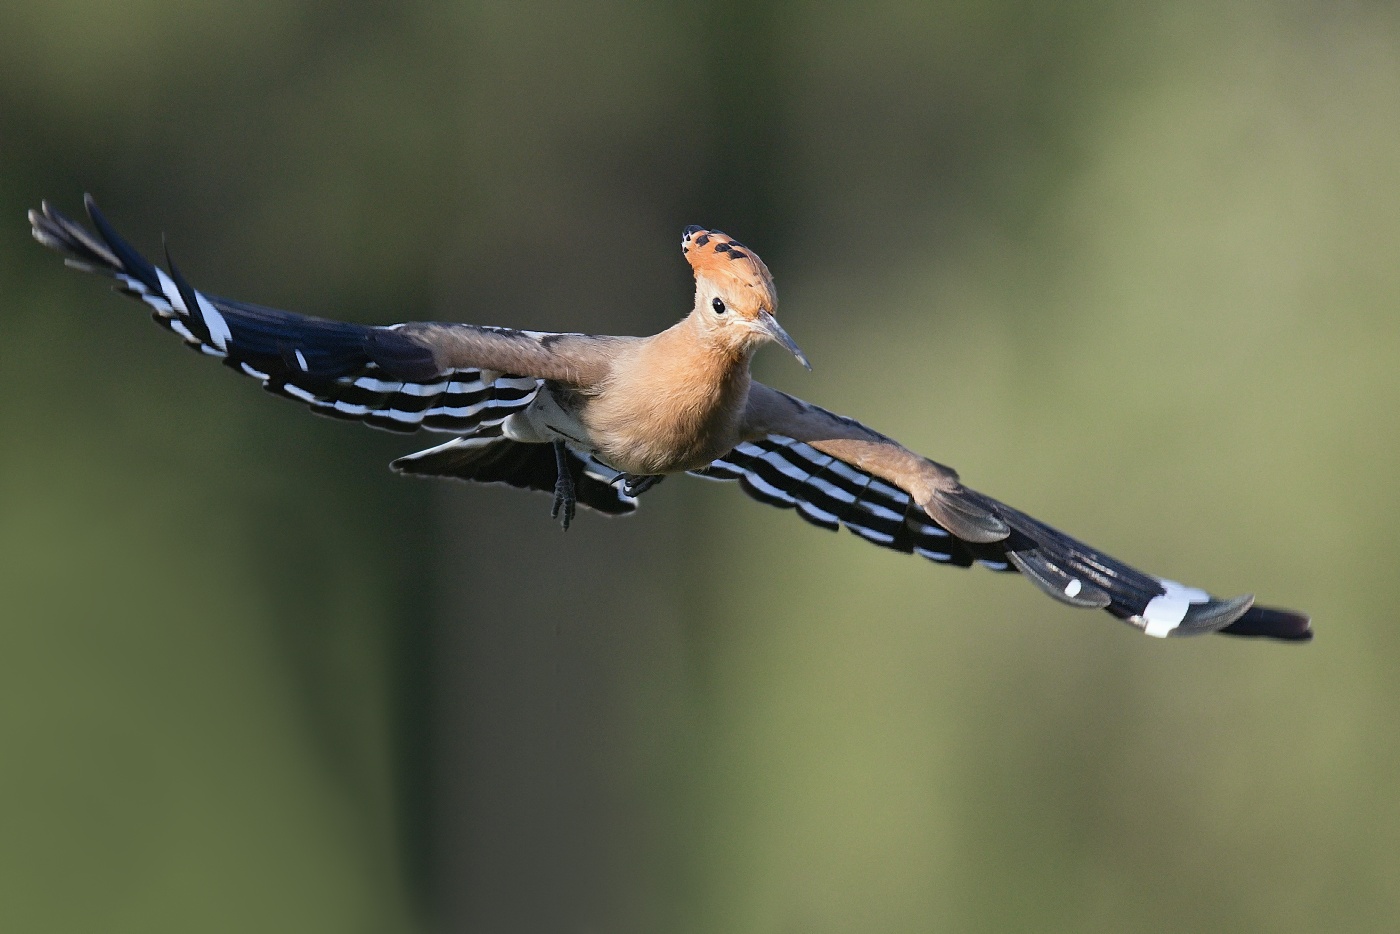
(94, 214)
(104, 252)
(99, 220)
(51, 227)
(78, 246)
(1212, 615)
(1272, 623)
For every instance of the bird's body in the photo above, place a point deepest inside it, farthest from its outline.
(598, 419)
(654, 410)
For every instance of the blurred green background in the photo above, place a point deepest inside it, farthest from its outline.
(1130, 267)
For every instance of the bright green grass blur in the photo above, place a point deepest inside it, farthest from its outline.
(1135, 273)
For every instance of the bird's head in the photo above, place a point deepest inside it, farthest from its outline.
(734, 294)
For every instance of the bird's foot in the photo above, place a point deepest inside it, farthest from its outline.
(634, 485)
(564, 498)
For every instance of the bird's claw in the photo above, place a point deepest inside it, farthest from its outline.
(564, 498)
(634, 485)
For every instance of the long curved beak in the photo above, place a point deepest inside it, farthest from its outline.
(775, 330)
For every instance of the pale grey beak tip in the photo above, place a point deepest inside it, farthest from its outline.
(775, 330)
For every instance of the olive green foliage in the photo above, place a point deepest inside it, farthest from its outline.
(1131, 269)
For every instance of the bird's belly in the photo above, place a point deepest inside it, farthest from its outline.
(644, 448)
(636, 441)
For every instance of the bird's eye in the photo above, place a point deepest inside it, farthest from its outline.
(718, 306)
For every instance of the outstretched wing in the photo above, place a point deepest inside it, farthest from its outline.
(836, 472)
(442, 377)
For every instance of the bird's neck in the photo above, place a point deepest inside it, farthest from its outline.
(677, 404)
(691, 338)
(686, 364)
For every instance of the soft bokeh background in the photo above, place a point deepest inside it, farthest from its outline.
(1133, 269)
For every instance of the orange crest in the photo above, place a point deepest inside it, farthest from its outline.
(719, 257)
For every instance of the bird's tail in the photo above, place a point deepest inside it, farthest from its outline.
(489, 457)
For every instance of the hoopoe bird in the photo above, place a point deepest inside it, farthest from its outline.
(598, 420)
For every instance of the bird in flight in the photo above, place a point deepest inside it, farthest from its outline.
(598, 420)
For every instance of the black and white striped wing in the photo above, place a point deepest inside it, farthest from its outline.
(350, 371)
(831, 493)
